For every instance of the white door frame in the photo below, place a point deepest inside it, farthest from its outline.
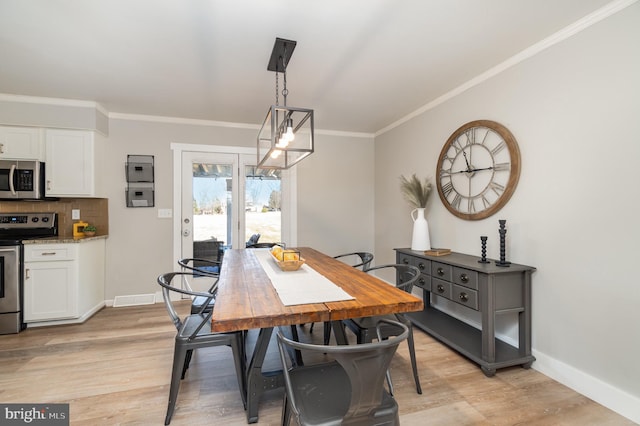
(289, 198)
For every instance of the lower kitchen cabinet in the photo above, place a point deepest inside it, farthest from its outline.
(63, 283)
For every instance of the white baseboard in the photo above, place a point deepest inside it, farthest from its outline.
(79, 320)
(615, 399)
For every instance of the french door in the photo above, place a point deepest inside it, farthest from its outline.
(222, 200)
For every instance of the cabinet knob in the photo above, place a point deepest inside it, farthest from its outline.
(464, 297)
(464, 278)
(440, 271)
(405, 261)
(421, 281)
(440, 288)
(1, 148)
(421, 266)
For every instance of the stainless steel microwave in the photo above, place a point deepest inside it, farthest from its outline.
(21, 180)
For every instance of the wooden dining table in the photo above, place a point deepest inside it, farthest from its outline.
(247, 300)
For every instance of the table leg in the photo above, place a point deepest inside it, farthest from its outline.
(257, 382)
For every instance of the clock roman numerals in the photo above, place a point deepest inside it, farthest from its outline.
(496, 188)
(447, 188)
(498, 148)
(471, 136)
(501, 167)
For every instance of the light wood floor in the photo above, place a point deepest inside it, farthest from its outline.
(115, 369)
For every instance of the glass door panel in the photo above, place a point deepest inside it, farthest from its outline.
(263, 204)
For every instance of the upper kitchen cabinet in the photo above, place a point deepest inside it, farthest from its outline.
(70, 166)
(21, 143)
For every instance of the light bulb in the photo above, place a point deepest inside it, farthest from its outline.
(275, 153)
(282, 142)
(289, 133)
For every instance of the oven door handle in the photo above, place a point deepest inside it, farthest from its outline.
(12, 171)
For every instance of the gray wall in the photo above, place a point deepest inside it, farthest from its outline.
(335, 197)
(574, 110)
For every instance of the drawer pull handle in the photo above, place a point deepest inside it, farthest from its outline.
(421, 266)
(440, 271)
(440, 288)
(464, 278)
(49, 253)
(464, 297)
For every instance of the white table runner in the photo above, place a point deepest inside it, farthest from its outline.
(300, 287)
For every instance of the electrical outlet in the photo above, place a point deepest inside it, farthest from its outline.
(165, 213)
(75, 214)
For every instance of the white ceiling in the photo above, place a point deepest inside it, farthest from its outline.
(360, 64)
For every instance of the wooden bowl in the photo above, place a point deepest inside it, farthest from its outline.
(288, 265)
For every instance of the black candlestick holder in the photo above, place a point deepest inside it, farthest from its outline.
(483, 243)
(503, 232)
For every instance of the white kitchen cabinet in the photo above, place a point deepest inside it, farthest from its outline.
(21, 143)
(63, 283)
(69, 163)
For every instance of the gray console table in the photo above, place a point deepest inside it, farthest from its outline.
(483, 287)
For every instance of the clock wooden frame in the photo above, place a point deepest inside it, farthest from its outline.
(444, 177)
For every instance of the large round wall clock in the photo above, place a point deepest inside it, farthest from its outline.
(478, 169)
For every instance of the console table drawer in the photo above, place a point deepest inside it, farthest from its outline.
(465, 277)
(424, 282)
(465, 296)
(441, 288)
(423, 264)
(441, 270)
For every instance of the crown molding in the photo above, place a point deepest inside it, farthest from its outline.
(557, 37)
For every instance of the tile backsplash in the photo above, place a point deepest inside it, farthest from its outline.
(92, 210)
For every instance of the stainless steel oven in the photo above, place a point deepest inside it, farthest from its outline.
(14, 228)
(21, 180)
(10, 289)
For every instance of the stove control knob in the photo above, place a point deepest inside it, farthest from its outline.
(34, 219)
(45, 219)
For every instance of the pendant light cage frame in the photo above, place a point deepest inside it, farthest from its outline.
(271, 155)
(286, 136)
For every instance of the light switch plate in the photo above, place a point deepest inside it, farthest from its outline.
(165, 213)
(75, 214)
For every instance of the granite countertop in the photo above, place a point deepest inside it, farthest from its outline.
(63, 240)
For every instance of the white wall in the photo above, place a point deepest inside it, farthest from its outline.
(335, 197)
(574, 109)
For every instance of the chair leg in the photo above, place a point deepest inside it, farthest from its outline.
(286, 411)
(414, 364)
(327, 332)
(187, 361)
(179, 358)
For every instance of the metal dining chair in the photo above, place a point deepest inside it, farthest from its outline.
(194, 331)
(201, 268)
(365, 328)
(348, 390)
(359, 259)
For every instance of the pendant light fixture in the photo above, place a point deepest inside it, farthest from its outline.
(286, 136)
